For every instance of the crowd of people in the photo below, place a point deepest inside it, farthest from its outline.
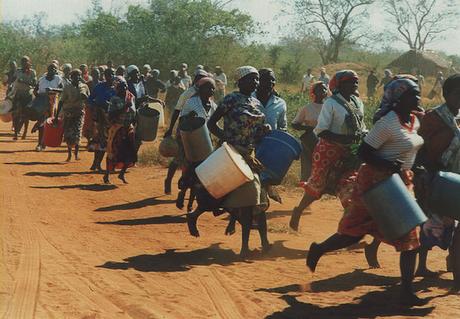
(340, 155)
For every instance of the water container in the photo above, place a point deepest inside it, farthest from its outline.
(445, 191)
(147, 123)
(5, 110)
(195, 139)
(53, 133)
(160, 108)
(393, 208)
(276, 151)
(7, 117)
(6, 106)
(224, 171)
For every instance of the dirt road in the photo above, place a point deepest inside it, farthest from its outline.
(73, 247)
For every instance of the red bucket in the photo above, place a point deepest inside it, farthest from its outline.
(53, 134)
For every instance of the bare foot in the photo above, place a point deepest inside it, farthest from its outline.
(77, 158)
(244, 253)
(191, 224)
(122, 178)
(106, 179)
(314, 254)
(266, 247)
(370, 251)
(295, 219)
(68, 159)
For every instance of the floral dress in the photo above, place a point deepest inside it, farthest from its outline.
(243, 124)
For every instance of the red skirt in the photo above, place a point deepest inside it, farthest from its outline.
(356, 220)
(328, 171)
(121, 147)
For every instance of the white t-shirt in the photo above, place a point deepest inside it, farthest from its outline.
(184, 97)
(332, 117)
(308, 115)
(307, 78)
(44, 84)
(195, 104)
(393, 140)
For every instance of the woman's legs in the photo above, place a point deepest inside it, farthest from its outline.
(121, 176)
(455, 258)
(77, 148)
(422, 270)
(262, 228)
(407, 262)
(335, 242)
(370, 252)
(246, 222)
(40, 145)
(98, 157)
(169, 176)
(297, 211)
(69, 152)
(26, 127)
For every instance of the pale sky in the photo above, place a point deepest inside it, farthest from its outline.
(266, 12)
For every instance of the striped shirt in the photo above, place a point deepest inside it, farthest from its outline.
(194, 104)
(394, 140)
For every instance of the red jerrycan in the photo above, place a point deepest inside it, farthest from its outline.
(53, 132)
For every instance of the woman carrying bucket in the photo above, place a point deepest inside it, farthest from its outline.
(390, 147)
(202, 106)
(306, 120)
(440, 152)
(340, 129)
(72, 105)
(244, 125)
(121, 146)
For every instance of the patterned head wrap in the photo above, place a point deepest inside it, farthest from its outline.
(156, 72)
(313, 89)
(340, 77)
(393, 92)
(242, 71)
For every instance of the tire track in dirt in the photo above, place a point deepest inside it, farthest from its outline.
(24, 299)
(221, 298)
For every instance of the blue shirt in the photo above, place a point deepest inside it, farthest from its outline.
(275, 112)
(101, 94)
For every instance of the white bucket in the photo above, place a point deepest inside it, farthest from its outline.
(224, 171)
(5, 106)
(159, 107)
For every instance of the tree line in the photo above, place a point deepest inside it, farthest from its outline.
(167, 32)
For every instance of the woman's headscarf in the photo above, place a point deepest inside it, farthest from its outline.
(340, 77)
(393, 92)
(313, 90)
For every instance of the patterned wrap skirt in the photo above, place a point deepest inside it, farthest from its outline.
(121, 147)
(356, 220)
(332, 166)
(73, 122)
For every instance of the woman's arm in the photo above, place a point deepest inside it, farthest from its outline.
(212, 123)
(369, 155)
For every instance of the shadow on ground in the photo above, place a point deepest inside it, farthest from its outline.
(34, 163)
(59, 174)
(136, 205)
(157, 220)
(172, 260)
(84, 187)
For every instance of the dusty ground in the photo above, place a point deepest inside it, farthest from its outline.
(73, 247)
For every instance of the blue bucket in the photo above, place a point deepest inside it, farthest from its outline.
(276, 152)
(393, 208)
(444, 199)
